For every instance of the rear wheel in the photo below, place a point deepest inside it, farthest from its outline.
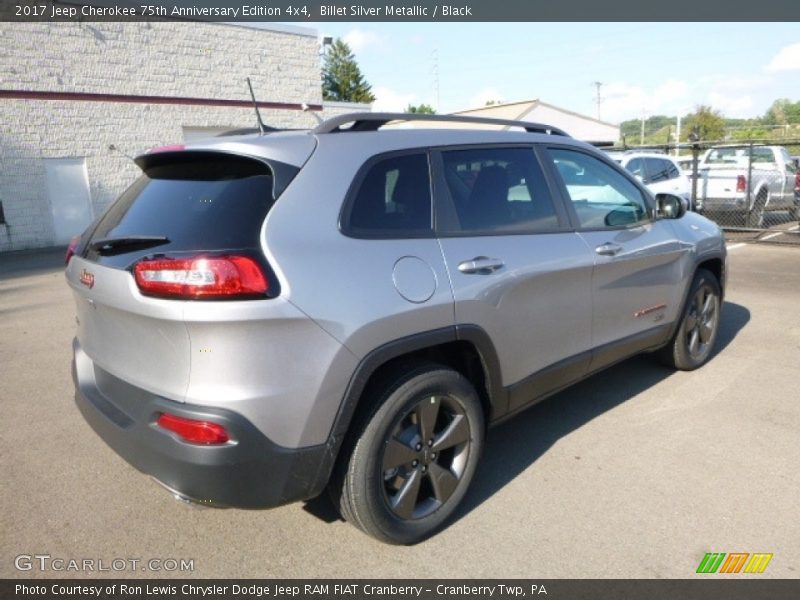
(697, 332)
(756, 216)
(413, 456)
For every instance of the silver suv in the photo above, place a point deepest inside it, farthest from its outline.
(262, 317)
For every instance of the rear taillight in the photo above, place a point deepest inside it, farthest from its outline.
(201, 277)
(797, 181)
(73, 246)
(741, 183)
(196, 432)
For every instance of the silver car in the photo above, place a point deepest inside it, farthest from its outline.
(262, 317)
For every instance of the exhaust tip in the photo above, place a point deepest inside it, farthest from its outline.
(183, 498)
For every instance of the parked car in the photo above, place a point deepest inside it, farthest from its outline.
(262, 317)
(751, 182)
(659, 172)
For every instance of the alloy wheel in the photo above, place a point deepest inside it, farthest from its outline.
(701, 322)
(425, 456)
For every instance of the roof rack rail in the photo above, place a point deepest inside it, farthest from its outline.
(374, 121)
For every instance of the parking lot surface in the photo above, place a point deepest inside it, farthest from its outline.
(636, 472)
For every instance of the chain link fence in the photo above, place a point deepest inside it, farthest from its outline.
(751, 189)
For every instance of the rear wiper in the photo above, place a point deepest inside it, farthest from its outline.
(114, 243)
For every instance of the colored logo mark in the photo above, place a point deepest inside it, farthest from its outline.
(736, 562)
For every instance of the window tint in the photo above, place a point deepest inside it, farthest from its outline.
(499, 190)
(657, 170)
(393, 199)
(602, 197)
(199, 202)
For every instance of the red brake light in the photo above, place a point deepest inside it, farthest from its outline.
(196, 432)
(201, 277)
(741, 183)
(73, 246)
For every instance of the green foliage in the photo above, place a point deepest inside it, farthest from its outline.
(782, 119)
(656, 129)
(424, 109)
(709, 123)
(783, 112)
(342, 80)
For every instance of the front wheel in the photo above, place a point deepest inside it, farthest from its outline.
(414, 455)
(697, 332)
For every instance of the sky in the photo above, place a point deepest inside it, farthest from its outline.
(644, 68)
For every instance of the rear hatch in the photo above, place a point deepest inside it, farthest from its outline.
(188, 230)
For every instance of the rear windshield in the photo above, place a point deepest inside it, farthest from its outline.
(198, 202)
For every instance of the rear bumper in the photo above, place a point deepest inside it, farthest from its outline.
(248, 472)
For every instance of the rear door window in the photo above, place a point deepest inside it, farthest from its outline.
(497, 190)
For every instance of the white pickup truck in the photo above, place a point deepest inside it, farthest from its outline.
(729, 183)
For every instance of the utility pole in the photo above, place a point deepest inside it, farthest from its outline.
(436, 79)
(641, 136)
(598, 99)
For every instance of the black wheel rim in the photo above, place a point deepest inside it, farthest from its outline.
(701, 323)
(425, 456)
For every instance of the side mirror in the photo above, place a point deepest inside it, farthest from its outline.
(669, 206)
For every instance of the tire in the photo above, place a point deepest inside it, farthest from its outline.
(755, 217)
(392, 482)
(693, 342)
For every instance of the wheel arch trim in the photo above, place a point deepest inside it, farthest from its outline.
(394, 349)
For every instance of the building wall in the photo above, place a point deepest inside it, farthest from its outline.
(206, 61)
(577, 126)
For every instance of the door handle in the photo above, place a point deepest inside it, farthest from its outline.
(482, 265)
(608, 249)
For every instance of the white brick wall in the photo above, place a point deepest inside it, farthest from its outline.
(199, 60)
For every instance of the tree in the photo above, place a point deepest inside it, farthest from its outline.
(710, 123)
(783, 112)
(342, 80)
(493, 102)
(423, 109)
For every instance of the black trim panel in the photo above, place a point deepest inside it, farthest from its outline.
(371, 362)
(249, 472)
(473, 334)
(556, 377)
(614, 352)
(548, 381)
(498, 395)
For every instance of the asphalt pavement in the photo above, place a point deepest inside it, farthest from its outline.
(636, 472)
